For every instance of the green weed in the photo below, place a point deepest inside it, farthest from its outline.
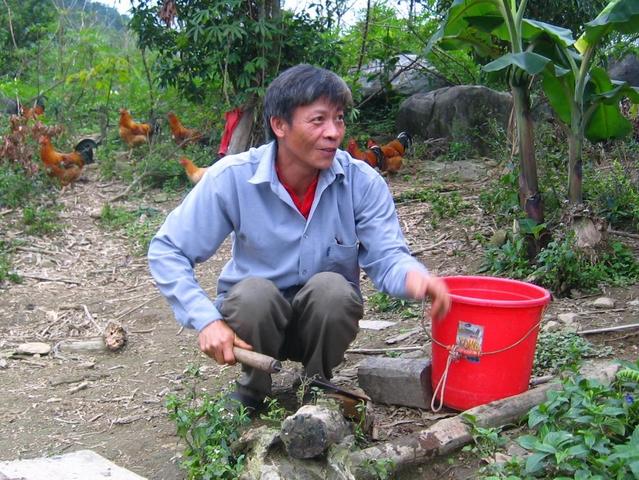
(209, 429)
(40, 220)
(586, 430)
(557, 351)
(138, 225)
(6, 273)
(382, 302)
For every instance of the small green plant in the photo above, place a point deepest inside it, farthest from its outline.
(5, 264)
(209, 429)
(138, 225)
(509, 260)
(614, 196)
(382, 302)
(275, 413)
(380, 469)
(557, 351)
(486, 441)
(40, 220)
(360, 434)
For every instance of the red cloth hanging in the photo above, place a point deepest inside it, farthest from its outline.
(232, 119)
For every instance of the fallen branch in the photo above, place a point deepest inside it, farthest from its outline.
(128, 189)
(623, 234)
(373, 351)
(49, 279)
(609, 329)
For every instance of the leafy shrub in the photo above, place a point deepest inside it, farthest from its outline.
(614, 196)
(382, 302)
(561, 266)
(558, 350)
(586, 430)
(209, 429)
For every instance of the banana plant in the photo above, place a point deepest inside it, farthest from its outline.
(582, 94)
(484, 25)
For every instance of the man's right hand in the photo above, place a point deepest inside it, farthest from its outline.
(217, 340)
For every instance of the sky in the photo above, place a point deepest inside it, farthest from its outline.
(123, 6)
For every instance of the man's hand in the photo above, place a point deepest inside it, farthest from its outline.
(420, 286)
(217, 340)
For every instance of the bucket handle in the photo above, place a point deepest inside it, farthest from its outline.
(455, 352)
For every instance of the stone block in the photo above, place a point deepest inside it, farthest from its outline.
(395, 381)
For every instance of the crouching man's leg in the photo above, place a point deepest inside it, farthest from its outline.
(258, 313)
(326, 311)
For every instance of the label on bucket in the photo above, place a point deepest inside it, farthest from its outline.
(469, 340)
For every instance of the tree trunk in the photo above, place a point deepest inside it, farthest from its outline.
(241, 137)
(529, 195)
(575, 148)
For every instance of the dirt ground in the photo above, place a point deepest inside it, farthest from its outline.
(79, 280)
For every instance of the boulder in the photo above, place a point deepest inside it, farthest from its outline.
(410, 75)
(459, 113)
(626, 70)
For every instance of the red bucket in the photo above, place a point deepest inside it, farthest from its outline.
(485, 346)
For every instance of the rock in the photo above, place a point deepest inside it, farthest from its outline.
(498, 238)
(633, 303)
(551, 326)
(569, 320)
(393, 381)
(604, 302)
(3, 363)
(33, 348)
(626, 70)
(456, 113)
(410, 75)
(310, 431)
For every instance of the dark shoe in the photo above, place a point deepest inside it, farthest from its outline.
(236, 399)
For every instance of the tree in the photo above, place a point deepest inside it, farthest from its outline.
(233, 47)
(21, 25)
(581, 93)
(486, 25)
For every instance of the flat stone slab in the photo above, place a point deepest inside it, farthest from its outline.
(80, 465)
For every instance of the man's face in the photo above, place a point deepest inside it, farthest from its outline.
(315, 133)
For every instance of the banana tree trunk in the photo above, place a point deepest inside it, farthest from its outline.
(529, 195)
(575, 151)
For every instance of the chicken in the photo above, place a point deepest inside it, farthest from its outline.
(66, 167)
(393, 152)
(193, 172)
(134, 134)
(184, 136)
(33, 113)
(372, 156)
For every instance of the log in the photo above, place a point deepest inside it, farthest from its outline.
(310, 431)
(88, 345)
(452, 433)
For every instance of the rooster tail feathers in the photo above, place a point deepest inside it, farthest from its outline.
(379, 156)
(405, 139)
(85, 148)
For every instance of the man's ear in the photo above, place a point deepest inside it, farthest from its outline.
(279, 126)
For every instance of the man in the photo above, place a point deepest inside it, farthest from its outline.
(303, 217)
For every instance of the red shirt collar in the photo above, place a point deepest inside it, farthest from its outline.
(304, 203)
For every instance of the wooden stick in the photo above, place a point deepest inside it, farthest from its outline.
(137, 307)
(257, 360)
(623, 234)
(48, 279)
(609, 329)
(374, 351)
